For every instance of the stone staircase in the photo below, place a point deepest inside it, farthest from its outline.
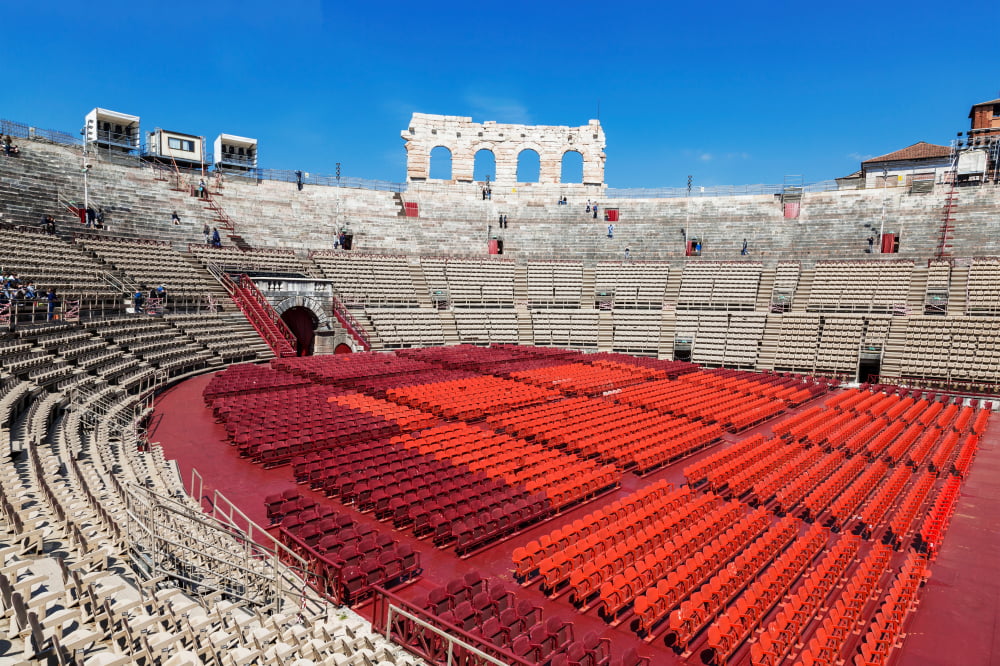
(801, 298)
(918, 290)
(957, 290)
(605, 331)
(764, 291)
(895, 344)
(448, 328)
(769, 343)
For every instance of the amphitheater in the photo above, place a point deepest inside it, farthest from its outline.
(562, 454)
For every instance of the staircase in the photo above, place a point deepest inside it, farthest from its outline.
(918, 291)
(802, 291)
(448, 328)
(764, 291)
(262, 316)
(668, 321)
(525, 333)
(769, 343)
(605, 331)
(957, 290)
(895, 346)
(947, 221)
(588, 287)
(420, 284)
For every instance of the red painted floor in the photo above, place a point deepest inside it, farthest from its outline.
(954, 623)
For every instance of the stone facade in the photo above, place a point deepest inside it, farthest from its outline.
(465, 138)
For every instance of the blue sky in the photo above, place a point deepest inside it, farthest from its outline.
(731, 93)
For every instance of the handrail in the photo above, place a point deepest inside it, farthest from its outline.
(350, 324)
(251, 287)
(445, 641)
(259, 312)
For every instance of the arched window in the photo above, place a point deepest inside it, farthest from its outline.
(440, 163)
(528, 166)
(572, 167)
(484, 166)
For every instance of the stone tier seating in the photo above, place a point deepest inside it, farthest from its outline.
(408, 327)
(555, 284)
(49, 261)
(369, 280)
(257, 260)
(565, 328)
(471, 282)
(860, 286)
(984, 286)
(151, 264)
(958, 348)
(70, 594)
(826, 343)
(730, 340)
(719, 285)
(486, 326)
(633, 284)
(786, 281)
(636, 332)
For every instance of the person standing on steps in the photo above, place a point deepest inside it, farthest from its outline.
(216, 239)
(871, 244)
(744, 251)
(175, 218)
(208, 234)
(627, 255)
(202, 189)
(595, 210)
(611, 230)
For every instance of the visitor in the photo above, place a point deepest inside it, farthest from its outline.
(91, 216)
(208, 234)
(595, 210)
(611, 230)
(744, 250)
(627, 255)
(53, 300)
(871, 244)
(175, 218)
(697, 248)
(99, 224)
(216, 239)
(484, 194)
(202, 190)
(137, 301)
(588, 205)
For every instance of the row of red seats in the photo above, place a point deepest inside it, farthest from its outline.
(572, 552)
(742, 479)
(844, 507)
(584, 378)
(788, 496)
(612, 558)
(816, 502)
(527, 557)
(655, 604)
(845, 613)
(338, 368)
(982, 418)
(786, 630)
(877, 445)
(351, 557)
(935, 523)
(966, 452)
(563, 478)
(618, 593)
(248, 378)
(408, 419)
(767, 486)
(749, 414)
(471, 399)
(711, 598)
(904, 516)
(658, 454)
(943, 452)
(785, 427)
(901, 446)
(486, 610)
(887, 625)
(874, 510)
(698, 472)
(742, 618)
(378, 385)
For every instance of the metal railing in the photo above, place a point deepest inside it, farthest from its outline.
(712, 191)
(432, 638)
(349, 323)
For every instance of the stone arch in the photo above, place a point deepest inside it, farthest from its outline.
(304, 301)
(571, 167)
(437, 156)
(529, 165)
(507, 141)
(303, 323)
(484, 164)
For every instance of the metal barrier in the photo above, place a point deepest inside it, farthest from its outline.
(432, 638)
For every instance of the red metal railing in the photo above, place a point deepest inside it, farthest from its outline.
(261, 315)
(347, 320)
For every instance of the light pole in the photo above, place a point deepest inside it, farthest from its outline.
(86, 166)
(881, 228)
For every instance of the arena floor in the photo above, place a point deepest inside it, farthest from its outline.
(957, 616)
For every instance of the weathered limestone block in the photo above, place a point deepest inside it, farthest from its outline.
(465, 138)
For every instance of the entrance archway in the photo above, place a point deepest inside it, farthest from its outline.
(303, 323)
(343, 348)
